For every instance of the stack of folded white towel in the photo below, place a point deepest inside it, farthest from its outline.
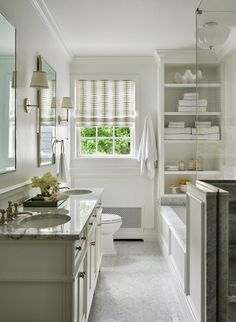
(192, 103)
(177, 131)
(201, 131)
(205, 131)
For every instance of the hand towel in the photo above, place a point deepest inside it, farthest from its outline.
(147, 154)
(63, 174)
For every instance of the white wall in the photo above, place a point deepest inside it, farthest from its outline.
(120, 177)
(33, 38)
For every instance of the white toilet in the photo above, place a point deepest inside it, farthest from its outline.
(110, 225)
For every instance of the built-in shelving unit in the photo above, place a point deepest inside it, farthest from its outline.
(205, 148)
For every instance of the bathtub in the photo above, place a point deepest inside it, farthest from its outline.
(173, 239)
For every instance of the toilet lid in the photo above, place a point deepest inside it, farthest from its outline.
(106, 218)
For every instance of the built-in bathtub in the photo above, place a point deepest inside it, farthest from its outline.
(173, 238)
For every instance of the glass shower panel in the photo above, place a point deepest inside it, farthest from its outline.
(216, 111)
(216, 104)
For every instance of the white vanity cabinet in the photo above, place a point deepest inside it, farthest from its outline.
(50, 279)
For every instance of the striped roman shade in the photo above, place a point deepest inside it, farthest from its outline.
(105, 102)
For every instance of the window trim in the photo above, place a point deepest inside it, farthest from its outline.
(113, 137)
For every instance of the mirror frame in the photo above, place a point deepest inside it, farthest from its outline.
(15, 86)
(40, 62)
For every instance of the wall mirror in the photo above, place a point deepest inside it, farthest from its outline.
(46, 131)
(8, 96)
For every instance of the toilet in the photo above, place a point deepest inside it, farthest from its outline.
(110, 223)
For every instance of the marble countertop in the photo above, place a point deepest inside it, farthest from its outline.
(78, 207)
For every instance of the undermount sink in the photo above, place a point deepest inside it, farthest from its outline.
(44, 220)
(77, 192)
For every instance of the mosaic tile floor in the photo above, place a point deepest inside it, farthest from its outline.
(136, 286)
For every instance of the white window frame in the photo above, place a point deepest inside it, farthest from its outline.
(113, 138)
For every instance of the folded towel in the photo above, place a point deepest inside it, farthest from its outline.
(191, 108)
(206, 130)
(176, 124)
(178, 136)
(147, 154)
(203, 124)
(177, 130)
(191, 96)
(209, 137)
(185, 102)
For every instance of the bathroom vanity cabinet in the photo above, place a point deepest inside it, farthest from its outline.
(50, 279)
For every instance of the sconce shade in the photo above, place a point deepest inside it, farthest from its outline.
(212, 35)
(39, 80)
(66, 102)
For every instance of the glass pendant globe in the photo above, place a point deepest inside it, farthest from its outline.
(212, 35)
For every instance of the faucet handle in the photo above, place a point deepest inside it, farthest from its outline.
(15, 205)
(9, 205)
(2, 219)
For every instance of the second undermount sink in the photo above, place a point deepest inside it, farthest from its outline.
(44, 220)
(76, 191)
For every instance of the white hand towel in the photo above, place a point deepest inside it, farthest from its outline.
(63, 175)
(147, 154)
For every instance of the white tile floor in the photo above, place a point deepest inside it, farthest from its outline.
(136, 286)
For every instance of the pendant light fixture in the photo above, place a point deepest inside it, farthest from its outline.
(211, 35)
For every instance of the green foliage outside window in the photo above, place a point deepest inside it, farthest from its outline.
(105, 140)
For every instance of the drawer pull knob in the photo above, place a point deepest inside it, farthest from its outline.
(83, 238)
(94, 216)
(93, 243)
(78, 248)
(82, 275)
(90, 223)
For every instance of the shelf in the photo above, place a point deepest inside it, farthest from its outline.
(203, 85)
(193, 113)
(191, 141)
(194, 172)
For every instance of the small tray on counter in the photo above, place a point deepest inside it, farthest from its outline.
(33, 202)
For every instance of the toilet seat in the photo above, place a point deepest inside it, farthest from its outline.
(110, 218)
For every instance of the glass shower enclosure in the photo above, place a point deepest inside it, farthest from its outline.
(216, 113)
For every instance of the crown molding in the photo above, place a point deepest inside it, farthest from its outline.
(48, 19)
(113, 59)
(185, 56)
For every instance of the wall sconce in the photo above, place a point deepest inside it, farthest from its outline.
(39, 80)
(66, 103)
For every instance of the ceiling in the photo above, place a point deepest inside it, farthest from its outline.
(122, 27)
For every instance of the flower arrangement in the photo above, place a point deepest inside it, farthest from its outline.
(48, 184)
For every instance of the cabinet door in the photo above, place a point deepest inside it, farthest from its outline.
(80, 293)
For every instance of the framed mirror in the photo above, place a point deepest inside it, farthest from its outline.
(8, 96)
(46, 131)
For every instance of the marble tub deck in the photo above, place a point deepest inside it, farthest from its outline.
(136, 286)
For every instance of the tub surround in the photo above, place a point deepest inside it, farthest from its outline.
(78, 207)
(179, 200)
(195, 244)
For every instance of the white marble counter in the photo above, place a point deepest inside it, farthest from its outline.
(78, 207)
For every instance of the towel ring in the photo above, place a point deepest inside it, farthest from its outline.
(62, 145)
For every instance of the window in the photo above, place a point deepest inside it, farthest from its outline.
(105, 115)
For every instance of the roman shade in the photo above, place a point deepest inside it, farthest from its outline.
(105, 103)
